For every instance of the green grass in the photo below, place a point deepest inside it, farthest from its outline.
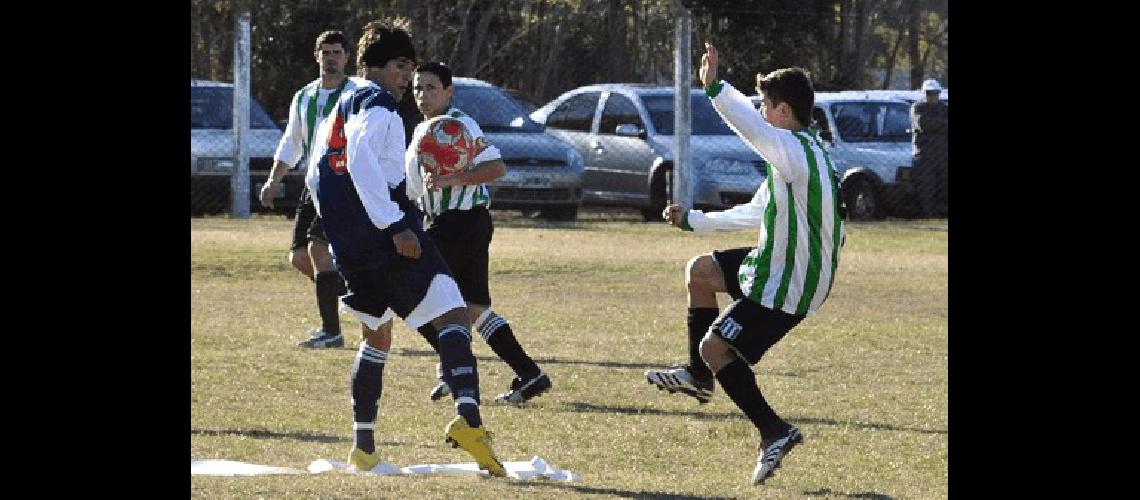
(595, 302)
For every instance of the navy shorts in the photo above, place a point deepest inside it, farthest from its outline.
(307, 224)
(729, 262)
(751, 328)
(463, 238)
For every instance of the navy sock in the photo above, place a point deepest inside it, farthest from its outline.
(430, 334)
(699, 321)
(330, 286)
(367, 383)
(497, 333)
(739, 382)
(460, 371)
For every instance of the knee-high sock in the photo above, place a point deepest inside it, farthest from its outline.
(330, 286)
(497, 333)
(699, 321)
(460, 371)
(430, 334)
(739, 382)
(367, 384)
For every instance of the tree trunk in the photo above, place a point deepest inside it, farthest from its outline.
(892, 58)
(912, 21)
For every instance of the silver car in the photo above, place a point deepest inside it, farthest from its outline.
(544, 175)
(212, 151)
(625, 132)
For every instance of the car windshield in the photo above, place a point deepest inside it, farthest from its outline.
(493, 110)
(872, 121)
(213, 107)
(705, 119)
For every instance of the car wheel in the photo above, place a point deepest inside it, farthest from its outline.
(564, 213)
(657, 196)
(862, 201)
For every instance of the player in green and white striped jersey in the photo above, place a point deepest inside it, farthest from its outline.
(459, 223)
(790, 272)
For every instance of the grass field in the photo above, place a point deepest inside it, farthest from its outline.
(596, 303)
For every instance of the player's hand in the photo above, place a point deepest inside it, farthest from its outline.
(674, 214)
(432, 181)
(407, 244)
(266, 194)
(709, 62)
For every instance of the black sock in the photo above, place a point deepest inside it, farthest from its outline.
(367, 380)
(739, 382)
(699, 321)
(498, 334)
(330, 286)
(430, 335)
(460, 371)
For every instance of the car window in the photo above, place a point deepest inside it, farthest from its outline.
(493, 110)
(820, 119)
(705, 119)
(213, 107)
(577, 113)
(618, 110)
(872, 121)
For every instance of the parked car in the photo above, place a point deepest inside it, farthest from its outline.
(212, 151)
(910, 96)
(625, 132)
(524, 100)
(868, 139)
(543, 173)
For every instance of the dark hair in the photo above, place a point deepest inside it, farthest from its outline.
(438, 69)
(331, 36)
(790, 85)
(384, 40)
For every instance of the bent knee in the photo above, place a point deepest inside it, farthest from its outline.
(702, 273)
(715, 352)
(300, 261)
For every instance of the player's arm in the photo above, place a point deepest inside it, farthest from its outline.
(746, 216)
(288, 153)
(380, 132)
(414, 177)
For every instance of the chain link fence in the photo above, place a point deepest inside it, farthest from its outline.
(583, 110)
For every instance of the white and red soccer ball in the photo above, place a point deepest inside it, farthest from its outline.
(447, 147)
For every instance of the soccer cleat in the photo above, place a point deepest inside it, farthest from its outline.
(441, 389)
(769, 455)
(522, 391)
(475, 441)
(363, 461)
(681, 380)
(322, 340)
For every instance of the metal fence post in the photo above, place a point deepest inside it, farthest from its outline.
(682, 105)
(239, 179)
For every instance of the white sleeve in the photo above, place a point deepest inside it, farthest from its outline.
(367, 175)
(769, 142)
(746, 216)
(290, 148)
(490, 152)
(415, 178)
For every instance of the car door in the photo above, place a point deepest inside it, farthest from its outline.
(573, 122)
(620, 163)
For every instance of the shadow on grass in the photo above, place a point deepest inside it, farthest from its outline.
(708, 415)
(828, 492)
(268, 434)
(553, 361)
(614, 492)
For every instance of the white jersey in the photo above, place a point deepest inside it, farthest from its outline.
(793, 265)
(311, 105)
(437, 201)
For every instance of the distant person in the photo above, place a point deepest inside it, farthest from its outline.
(310, 251)
(929, 121)
(460, 226)
(775, 285)
(389, 264)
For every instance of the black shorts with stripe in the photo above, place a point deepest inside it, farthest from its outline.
(307, 224)
(729, 263)
(463, 238)
(751, 329)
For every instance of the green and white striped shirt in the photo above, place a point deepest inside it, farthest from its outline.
(310, 106)
(795, 260)
(437, 201)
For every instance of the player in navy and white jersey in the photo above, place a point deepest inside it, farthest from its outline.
(459, 224)
(390, 266)
(790, 272)
(309, 253)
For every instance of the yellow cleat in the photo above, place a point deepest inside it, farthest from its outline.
(477, 442)
(362, 461)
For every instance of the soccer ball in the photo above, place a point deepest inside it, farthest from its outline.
(447, 147)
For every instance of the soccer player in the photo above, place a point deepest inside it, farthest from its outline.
(790, 272)
(460, 226)
(310, 251)
(389, 265)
